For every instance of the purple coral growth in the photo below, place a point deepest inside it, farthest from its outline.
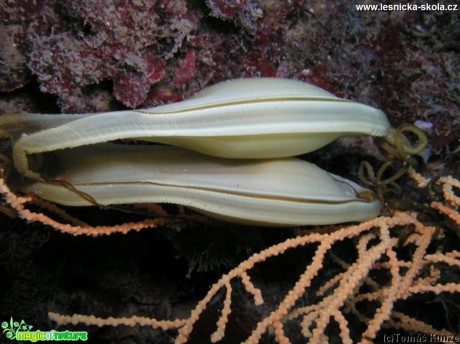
(17, 11)
(131, 88)
(244, 12)
(122, 41)
(13, 69)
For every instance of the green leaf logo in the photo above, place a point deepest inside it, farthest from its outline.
(10, 330)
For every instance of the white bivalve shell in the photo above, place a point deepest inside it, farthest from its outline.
(273, 192)
(245, 119)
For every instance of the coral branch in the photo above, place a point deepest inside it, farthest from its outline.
(223, 319)
(132, 321)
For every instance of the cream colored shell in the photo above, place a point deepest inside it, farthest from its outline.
(275, 192)
(245, 119)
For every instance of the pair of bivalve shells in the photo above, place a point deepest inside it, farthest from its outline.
(237, 140)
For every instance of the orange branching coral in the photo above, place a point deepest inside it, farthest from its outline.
(366, 288)
(338, 298)
(73, 225)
